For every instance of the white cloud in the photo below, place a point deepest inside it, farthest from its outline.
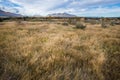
(100, 11)
(94, 2)
(38, 6)
(79, 7)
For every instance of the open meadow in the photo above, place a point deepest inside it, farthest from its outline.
(54, 51)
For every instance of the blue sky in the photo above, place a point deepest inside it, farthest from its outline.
(96, 8)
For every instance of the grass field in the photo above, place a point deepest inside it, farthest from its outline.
(44, 51)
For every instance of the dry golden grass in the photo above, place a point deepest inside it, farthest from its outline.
(40, 51)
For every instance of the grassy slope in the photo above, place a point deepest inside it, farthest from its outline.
(38, 51)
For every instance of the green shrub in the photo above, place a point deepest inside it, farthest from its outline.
(80, 26)
(19, 22)
(73, 22)
(112, 23)
(103, 25)
(65, 24)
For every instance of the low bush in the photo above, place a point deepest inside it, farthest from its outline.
(80, 26)
(112, 23)
(19, 22)
(103, 25)
(72, 22)
(65, 24)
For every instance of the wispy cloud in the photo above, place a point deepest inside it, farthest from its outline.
(78, 7)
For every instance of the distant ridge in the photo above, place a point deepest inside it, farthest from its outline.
(61, 15)
(8, 14)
